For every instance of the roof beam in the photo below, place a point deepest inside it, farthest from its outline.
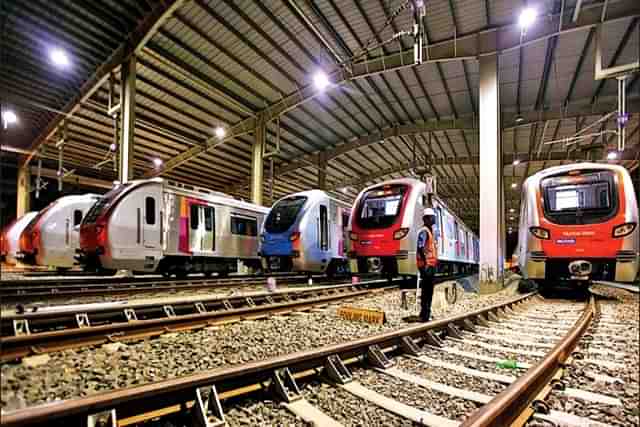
(507, 159)
(73, 179)
(466, 123)
(470, 46)
(131, 46)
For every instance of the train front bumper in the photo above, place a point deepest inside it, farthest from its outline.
(623, 268)
(403, 263)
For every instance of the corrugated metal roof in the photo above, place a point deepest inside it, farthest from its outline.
(215, 63)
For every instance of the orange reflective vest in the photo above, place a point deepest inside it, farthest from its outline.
(426, 253)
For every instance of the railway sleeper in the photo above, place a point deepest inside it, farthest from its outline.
(336, 370)
(21, 327)
(285, 386)
(377, 358)
(105, 418)
(207, 413)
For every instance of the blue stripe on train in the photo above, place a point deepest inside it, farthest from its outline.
(277, 244)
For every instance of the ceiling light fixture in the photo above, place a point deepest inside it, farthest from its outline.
(612, 155)
(220, 132)
(321, 80)
(527, 17)
(59, 57)
(9, 118)
(157, 162)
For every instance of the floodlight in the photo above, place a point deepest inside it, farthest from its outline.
(527, 17)
(59, 57)
(321, 80)
(9, 118)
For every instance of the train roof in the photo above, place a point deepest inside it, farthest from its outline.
(201, 193)
(314, 194)
(574, 166)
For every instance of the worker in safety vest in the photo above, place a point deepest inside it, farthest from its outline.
(426, 262)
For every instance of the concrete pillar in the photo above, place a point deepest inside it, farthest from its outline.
(492, 225)
(257, 155)
(322, 171)
(23, 195)
(128, 115)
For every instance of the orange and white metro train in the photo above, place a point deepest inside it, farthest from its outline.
(579, 222)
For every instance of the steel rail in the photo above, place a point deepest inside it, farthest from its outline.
(16, 347)
(178, 391)
(14, 284)
(28, 293)
(101, 312)
(507, 406)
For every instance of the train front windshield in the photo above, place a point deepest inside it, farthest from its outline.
(104, 202)
(380, 207)
(580, 199)
(284, 214)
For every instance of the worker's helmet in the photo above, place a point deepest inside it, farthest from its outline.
(428, 212)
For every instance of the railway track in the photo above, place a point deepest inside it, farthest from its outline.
(25, 291)
(64, 327)
(435, 374)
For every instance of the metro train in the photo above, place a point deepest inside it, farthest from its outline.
(578, 223)
(11, 236)
(51, 237)
(384, 225)
(306, 232)
(156, 226)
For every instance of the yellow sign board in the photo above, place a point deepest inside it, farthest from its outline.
(362, 315)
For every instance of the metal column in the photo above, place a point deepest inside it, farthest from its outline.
(257, 155)
(491, 176)
(24, 190)
(128, 114)
(322, 171)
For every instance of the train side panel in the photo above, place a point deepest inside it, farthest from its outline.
(58, 231)
(12, 236)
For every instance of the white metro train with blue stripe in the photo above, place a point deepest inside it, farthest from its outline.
(306, 232)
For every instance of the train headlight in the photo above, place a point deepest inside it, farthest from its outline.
(353, 236)
(400, 233)
(624, 229)
(540, 232)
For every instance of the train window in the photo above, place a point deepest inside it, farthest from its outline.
(584, 199)
(244, 226)
(208, 218)
(284, 214)
(345, 220)
(150, 210)
(324, 228)
(380, 207)
(195, 217)
(77, 217)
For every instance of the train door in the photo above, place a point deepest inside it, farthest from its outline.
(456, 234)
(151, 222)
(208, 240)
(73, 229)
(437, 226)
(323, 235)
(195, 236)
(344, 226)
